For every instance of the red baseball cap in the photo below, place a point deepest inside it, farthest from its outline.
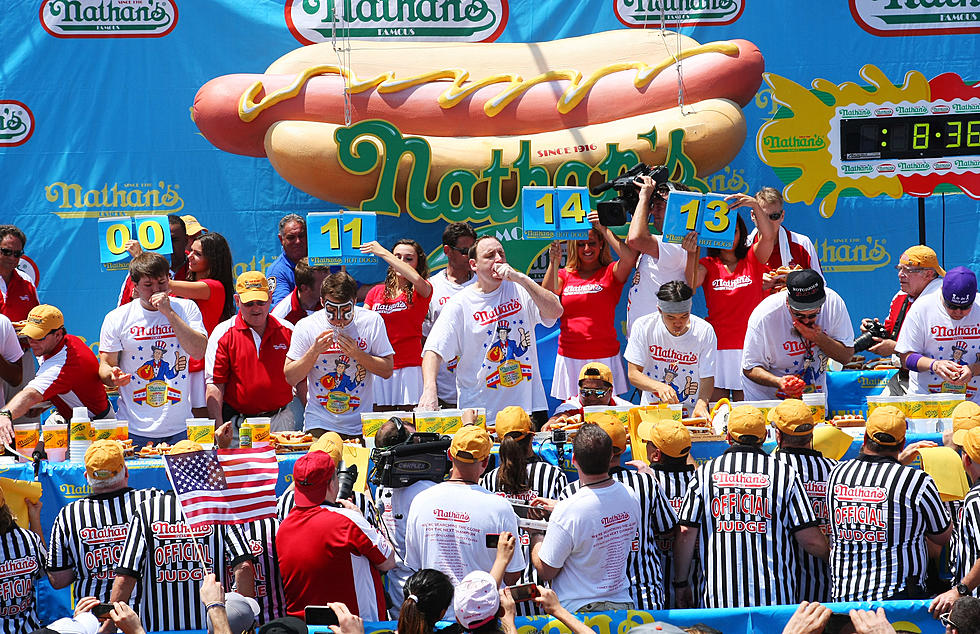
(312, 475)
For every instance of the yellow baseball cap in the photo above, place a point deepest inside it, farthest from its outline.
(470, 444)
(42, 319)
(671, 437)
(252, 286)
(746, 421)
(922, 257)
(793, 417)
(614, 427)
(886, 426)
(185, 446)
(971, 444)
(330, 443)
(513, 420)
(191, 225)
(596, 370)
(104, 460)
(966, 416)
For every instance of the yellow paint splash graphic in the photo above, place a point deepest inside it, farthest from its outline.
(811, 119)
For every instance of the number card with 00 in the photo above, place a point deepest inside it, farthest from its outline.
(707, 214)
(555, 213)
(335, 238)
(152, 233)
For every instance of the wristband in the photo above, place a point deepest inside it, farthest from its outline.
(912, 362)
(216, 604)
(931, 365)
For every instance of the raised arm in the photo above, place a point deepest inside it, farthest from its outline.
(551, 281)
(639, 238)
(422, 286)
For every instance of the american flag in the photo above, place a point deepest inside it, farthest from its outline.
(225, 486)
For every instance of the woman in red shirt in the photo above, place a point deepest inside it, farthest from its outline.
(403, 302)
(589, 286)
(732, 283)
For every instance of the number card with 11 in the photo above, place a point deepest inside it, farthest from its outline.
(152, 233)
(707, 214)
(335, 237)
(555, 213)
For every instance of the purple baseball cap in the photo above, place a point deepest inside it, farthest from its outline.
(960, 287)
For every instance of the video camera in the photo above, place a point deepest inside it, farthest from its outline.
(616, 212)
(422, 456)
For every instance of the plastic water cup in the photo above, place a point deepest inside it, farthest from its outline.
(26, 437)
(261, 428)
(55, 441)
(103, 429)
(201, 431)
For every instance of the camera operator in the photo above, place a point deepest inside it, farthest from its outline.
(659, 262)
(919, 274)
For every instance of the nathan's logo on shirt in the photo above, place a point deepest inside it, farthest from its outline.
(659, 353)
(794, 347)
(17, 568)
(942, 333)
(255, 547)
(730, 285)
(520, 498)
(104, 535)
(451, 516)
(871, 495)
(142, 332)
(387, 309)
(166, 530)
(613, 520)
(485, 317)
(280, 346)
(815, 488)
(676, 504)
(583, 289)
(335, 347)
(741, 480)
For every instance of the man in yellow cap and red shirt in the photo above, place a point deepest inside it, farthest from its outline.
(243, 364)
(749, 510)
(794, 425)
(887, 517)
(448, 523)
(88, 534)
(68, 375)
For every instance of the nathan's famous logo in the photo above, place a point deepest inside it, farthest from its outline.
(741, 480)
(796, 143)
(872, 495)
(672, 13)
(126, 199)
(74, 491)
(312, 21)
(108, 18)
(916, 17)
(16, 123)
(841, 255)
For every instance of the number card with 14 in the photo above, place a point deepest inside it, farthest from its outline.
(555, 213)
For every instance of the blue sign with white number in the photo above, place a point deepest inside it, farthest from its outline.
(335, 238)
(152, 233)
(555, 213)
(707, 214)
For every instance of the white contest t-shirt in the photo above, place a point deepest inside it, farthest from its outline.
(680, 362)
(338, 388)
(590, 537)
(650, 275)
(930, 331)
(157, 401)
(10, 348)
(493, 335)
(773, 344)
(442, 291)
(447, 528)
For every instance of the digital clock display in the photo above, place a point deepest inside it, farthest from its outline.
(913, 137)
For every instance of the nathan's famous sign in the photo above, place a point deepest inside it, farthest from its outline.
(455, 130)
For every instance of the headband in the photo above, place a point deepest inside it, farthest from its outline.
(675, 308)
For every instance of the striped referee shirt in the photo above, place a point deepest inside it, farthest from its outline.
(644, 565)
(21, 564)
(288, 500)
(748, 507)
(545, 481)
(87, 537)
(955, 510)
(160, 552)
(881, 511)
(674, 481)
(261, 538)
(967, 549)
(813, 582)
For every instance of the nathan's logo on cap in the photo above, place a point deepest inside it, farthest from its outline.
(42, 320)
(252, 286)
(960, 287)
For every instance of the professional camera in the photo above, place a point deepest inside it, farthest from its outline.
(421, 457)
(866, 340)
(616, 212)
(346, 479)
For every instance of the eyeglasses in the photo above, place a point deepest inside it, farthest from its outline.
(909, 270)
(594, 392)
(11, 252)
(944, 619)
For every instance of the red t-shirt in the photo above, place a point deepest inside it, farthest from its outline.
(403, 322)
(588, 324)
(731, 297)
(211, 309)
(329, 554)
(69, 377)
(21, 298)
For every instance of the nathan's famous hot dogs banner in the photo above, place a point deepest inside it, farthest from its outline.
(426, 112)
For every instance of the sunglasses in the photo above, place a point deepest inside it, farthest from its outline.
(955, 306)
(11, 252)
(594, 392)
(807, 316)
(944, 619)
(461, 250)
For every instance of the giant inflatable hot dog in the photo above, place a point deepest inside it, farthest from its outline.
(567, 98)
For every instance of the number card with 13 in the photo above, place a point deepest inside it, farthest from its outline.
(707, 214)
(152, 233)
(335, 237)
(555, 213)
